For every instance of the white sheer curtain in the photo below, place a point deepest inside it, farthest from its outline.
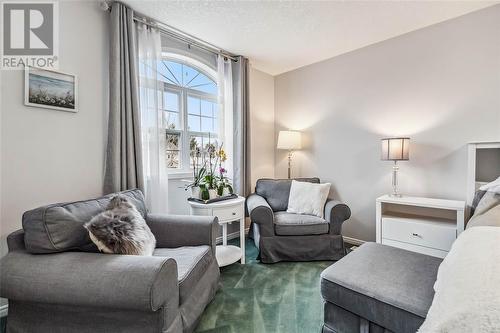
(225, 86)
(153, 138)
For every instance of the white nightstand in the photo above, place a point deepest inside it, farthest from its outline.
(425, 225)
(227, 212)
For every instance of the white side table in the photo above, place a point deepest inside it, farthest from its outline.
(424, 225)
(227, 211)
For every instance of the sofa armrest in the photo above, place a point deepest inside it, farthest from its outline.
(15, 241)
(183, 230)
(336, 213)
(261, 213)
(144, 283)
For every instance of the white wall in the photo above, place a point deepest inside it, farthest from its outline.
(261, 100)
(439, 85)
(50, 156)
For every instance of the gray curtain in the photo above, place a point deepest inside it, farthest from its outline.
(241, 118)
(123, 168)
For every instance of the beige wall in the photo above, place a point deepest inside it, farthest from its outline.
(439, 85)
(46, 155)
(261, 93)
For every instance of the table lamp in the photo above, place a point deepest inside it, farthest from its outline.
(289, 140)
(395, 149)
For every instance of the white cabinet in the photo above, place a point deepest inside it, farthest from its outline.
(424, 225)
(227, 211)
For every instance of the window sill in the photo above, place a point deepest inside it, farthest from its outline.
(180, 175)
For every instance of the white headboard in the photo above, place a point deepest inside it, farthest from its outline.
(483, 166)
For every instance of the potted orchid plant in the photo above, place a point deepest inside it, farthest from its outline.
(198, 172)
(224, 187)
(210, 179)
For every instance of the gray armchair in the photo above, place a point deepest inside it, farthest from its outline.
(55, 282)
(282, 236)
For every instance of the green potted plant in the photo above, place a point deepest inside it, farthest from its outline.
(210, 178)
(198, 172)
(224, 187)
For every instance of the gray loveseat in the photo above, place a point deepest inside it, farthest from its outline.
(56, 281)
(378, 289)
(282, 236)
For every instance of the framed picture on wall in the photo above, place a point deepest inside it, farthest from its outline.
(50, 89)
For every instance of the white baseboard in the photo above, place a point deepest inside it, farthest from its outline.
(353, 241)
(4, 309)
(232, 235)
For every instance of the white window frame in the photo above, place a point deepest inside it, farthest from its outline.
(185, 134)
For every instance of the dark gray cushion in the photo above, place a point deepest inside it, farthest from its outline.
(386, 285)
(277, 191)
(288, 224)
(339, 320)
(192, 263)
(59, 227)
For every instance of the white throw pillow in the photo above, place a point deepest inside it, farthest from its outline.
(490, 218)
(308, 198)
(488, 201)
(493, 186)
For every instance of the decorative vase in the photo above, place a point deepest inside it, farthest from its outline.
(212, 193)
(205, 195)
(195, 192)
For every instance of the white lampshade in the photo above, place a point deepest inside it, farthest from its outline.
(396, 149)
(289, 140)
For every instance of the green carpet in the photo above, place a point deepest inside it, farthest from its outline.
(262, 298)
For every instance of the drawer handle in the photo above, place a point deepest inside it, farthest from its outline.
(415, 235)
(234, 213)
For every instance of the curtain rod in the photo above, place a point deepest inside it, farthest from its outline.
(174, 32)
(183, 36)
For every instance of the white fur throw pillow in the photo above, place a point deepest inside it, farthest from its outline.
(121, 229)
(308, 198)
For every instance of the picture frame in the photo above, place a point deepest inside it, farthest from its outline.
(50, 89)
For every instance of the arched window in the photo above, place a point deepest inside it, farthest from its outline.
(190, 113)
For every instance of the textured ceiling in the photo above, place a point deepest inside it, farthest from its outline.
(279, 36)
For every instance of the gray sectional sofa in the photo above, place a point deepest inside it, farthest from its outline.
(378, 289)
(57, 282)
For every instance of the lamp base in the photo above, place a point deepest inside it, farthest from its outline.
(395, 190)
(289, 164)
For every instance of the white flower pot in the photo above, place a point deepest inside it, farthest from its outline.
(195, 192)
(225, 192)
(212, 193)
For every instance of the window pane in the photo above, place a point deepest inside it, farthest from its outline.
(171, 101)
(216, 125)
(207, 124)
(203, 83)
(171, 120)
(206, 108)
(189, 74)
(193, 105)
(172, 150)
(173, 160)
(175, 71)
(173, 141)
(195, 151)
(215, 110)
(194, 123)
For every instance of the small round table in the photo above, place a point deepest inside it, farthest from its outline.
(227, 211)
